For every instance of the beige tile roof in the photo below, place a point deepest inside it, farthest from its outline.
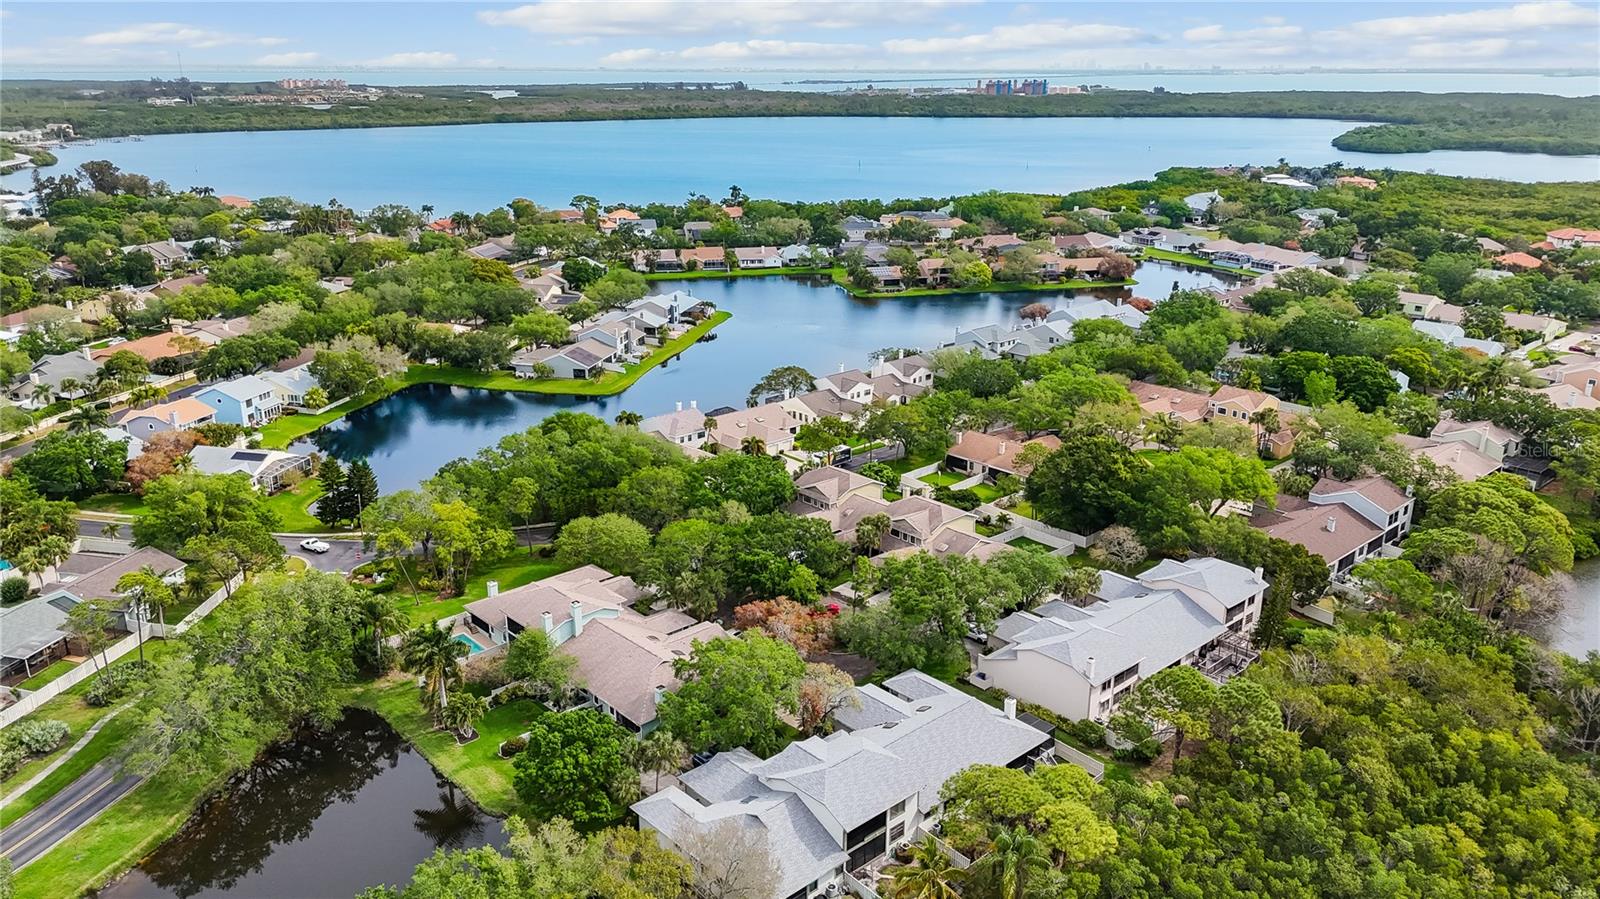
(1155, 399)
(1298, 521)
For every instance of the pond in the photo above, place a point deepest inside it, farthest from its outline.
(1576, 630)
(479, 167)
(326, 814)
(777, 320)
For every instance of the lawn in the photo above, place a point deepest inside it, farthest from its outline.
(996, 287)
(476, 766)
(942, 478)
(513, 570)
(1187, 259)
(286, 429)
(1027, 543)
(56, 669)
(736, 273)
(117, 503)
(293, 507)
(907, 463)
(987, 492)
(1023, 508)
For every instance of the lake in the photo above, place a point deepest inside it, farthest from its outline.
(1577, 629)
(479, 167)
(327, 814)
(777, 320)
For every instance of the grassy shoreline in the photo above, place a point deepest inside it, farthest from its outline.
(1159, 255)
(281, 432)
(841, 281)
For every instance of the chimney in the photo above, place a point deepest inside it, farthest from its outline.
(173, 417)
(679, 407)
(546, 622)
(1331, 523)
(841, 368)
(694, 404)
(1089, 669)
(1260, 572)
(87, 353)
(1002, 447)
(494, 588)
(1011, 707)
(661, 693)
(577, 618)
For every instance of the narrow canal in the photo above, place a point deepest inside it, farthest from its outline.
(327, 814)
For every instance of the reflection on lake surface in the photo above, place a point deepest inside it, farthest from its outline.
(776, 321)
(327, 814)
(1577, 629)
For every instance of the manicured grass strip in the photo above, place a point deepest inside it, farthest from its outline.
(987, 492)
(1027, 543)
(56, 669)
(119, 503)
(286, 429)
(1187, 259)
(294, 508)
(476, 767)
(942, 478)
(736, 273)
(111, 738)
(513, 570)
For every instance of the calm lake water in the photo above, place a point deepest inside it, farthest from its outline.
(776, 321)
(326, 815)
(1577, 629)
(477, 167)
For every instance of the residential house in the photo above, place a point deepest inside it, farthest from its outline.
(733, 212)
(992, 245)
(943, 224)
(1313, 218)
(893, 382)
(1356, 181)
(1579, 372)
(1374, 498)
(175, 286)
(758, 257)
(1256, 256)
(875, 252)
(1455, 336)
(684, 427)
(693, 231)
(165, 253)
(1544, 328)
(992, 455)
(167, 345)
(34, 633)
(796, 254)
(1573, 238)
(135, 446)
(624, 659)
(888, 277)
(933, 271)
(290, 387)
(1080, 309)
(173, 415)
(212, 331)
(1491, 247)
(493, 248)
(268, 470)
(52, 371)
(583, 359)
(1335, 532)
(1518, 262)
(770, 423)
(1421, 305)
(1486, 437)
(249, 401)
(1566, 396)
(706, 259)
(1464, 460)
(826, 807)
(641, 227)
(1200, 204)
(1240, 404)
(1164, 239)
(1081, 662)
(1181, 405)
(1288, 181)
(657, 260)
(1054, 266)
(857, 227)
(1092, 240)
(916, 523)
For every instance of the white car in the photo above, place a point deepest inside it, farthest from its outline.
(313, 545)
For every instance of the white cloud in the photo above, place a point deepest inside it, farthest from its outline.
(1500, 20)
(646, 17)
(288, 59)
(1005, 38)
(1219, 35)
(419, 59)
(735, 51)
(174, 34)
(1483, 48)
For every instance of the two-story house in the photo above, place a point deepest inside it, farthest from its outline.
(250, 401)
(826, 807)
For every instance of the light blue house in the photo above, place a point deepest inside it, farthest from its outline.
(248, 401)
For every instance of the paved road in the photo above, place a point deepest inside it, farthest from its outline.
(343, 554)
(65, 812)
(881, 454)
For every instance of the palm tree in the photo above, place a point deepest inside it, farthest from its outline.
(753, 446)
(378, 614)
(68, 386)
(629, 419)
(930, 875)
(202, 191)
(427, 210)
(1163, 430)
(148, 589)
(146, 393)
(1012, 861)
(661, 752)
(43, 394)
(431, 652)
(112, 530)
(464, 710)
(84, 417)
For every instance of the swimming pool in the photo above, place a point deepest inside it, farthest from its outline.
(473, 646)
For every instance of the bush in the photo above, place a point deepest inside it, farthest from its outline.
(965, 499)
(114, 682)
(513, 746)
(1143, 752)
(13, 590)
(1088, 732)
(36, 737)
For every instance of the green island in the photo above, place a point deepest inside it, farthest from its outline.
(1407, 122)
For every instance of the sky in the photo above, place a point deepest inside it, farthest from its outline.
(290, 38)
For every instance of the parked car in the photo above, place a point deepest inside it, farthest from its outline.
(313, 545)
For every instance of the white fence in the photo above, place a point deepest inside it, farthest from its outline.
(128, 644)
(1087, 762)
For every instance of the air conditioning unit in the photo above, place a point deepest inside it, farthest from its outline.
(902, 846)
(833, 889)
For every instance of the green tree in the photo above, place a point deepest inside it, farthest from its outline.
(614, 542)
(732, 692)
(929, 875)
(1180, 698)
(662, 753)
(1085, 484)
(432, 654)
(573, 765)
(532, 658)
(334, 506)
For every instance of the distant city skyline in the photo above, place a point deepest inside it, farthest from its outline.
(292, 39)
